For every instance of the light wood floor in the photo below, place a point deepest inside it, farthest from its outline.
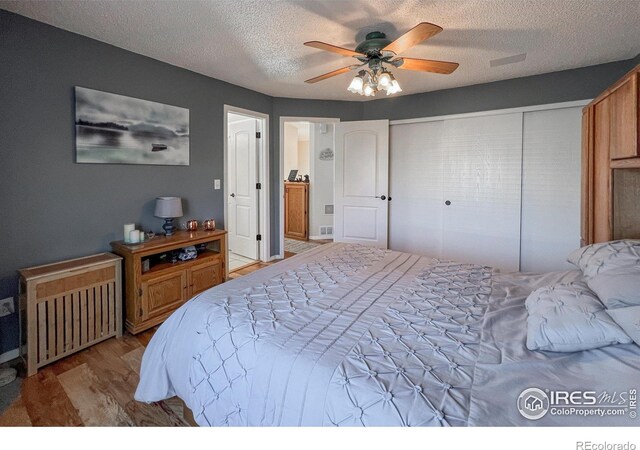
(95, 387)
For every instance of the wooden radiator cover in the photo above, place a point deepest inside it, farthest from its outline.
(69, 306)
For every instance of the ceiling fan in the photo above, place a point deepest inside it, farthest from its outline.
(376, 51)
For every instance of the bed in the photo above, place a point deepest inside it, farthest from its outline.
(348, 335)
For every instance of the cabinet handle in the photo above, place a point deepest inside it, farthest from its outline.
(382, 197)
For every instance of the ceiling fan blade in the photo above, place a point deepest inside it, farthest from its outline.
(414, 36)
(329, 75)
(332, 48)
(428, 65)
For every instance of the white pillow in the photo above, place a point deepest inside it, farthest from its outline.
(596, 258)
(569, 318)
(629, 320)
(617, 288)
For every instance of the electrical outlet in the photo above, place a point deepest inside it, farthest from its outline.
(216, 184)
(6, 306)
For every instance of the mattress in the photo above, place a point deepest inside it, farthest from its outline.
(348, 335)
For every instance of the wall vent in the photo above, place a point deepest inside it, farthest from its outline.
(326, 231)
(328, 209)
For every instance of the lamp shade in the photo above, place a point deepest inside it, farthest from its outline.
(168, 207)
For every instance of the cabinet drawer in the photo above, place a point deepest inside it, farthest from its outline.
(204, 276)
(163, 293)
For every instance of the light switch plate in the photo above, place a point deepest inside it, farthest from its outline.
(216, 184)
(6, 306)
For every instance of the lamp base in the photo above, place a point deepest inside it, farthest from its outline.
(168, 227)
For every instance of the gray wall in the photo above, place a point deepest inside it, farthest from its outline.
(555, 87)
(53, 209)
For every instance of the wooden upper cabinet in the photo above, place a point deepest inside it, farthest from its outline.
(624, 119)
(611, 163)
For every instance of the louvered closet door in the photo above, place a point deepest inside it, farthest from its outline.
(482, 163)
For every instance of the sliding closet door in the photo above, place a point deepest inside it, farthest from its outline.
(415, 179)
(550, 189)
(482, 190)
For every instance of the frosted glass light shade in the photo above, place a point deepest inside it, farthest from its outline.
(384, 80)
(356, 85)
(168, 207)
(368, 90)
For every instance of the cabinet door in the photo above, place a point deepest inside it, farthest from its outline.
(624, 119)
(601, 172)
(204, 276)
(163, 293)
(295, 211)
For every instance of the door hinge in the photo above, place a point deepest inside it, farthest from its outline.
(258, 135)
(259, 237)
(258, 185)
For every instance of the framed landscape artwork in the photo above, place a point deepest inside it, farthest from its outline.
(114, 129)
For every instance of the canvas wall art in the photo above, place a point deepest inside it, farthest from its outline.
(115, 129)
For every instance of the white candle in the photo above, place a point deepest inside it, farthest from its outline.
(128, 228)
(134, 236)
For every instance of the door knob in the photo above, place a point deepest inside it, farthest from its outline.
(389, 198)
(233, 195)
(447, 203)
(382, 197)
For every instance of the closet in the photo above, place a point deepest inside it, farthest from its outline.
(500, 189)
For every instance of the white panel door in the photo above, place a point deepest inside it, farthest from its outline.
(362, 182)
(416, 184)
(482, 190)
(241, 188)
(550, 189)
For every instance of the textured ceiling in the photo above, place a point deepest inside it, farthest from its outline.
(258, 43)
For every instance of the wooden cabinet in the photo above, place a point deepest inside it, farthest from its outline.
(624, 119)
(155, 287)
(611, 145)
(296, 210)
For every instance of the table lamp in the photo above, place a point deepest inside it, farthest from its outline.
(168, 208)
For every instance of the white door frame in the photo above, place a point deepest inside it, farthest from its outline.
(283, 120)
(263, 176)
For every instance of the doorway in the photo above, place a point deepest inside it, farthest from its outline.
(306, 183)
(245, 187)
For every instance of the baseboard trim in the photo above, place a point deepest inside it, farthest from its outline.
(8, 356)
(320, 238)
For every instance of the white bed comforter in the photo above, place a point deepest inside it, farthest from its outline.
(352, 335)
(342, 335)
